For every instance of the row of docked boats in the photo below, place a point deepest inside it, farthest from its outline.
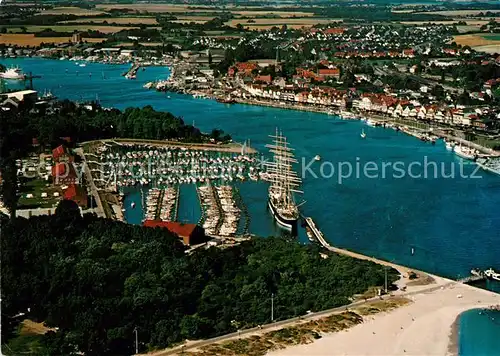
(210, 210)
(147, 165)
(161, 203)
(230, 211)
(221, 215)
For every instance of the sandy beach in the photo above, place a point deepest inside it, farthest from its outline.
(424, 327)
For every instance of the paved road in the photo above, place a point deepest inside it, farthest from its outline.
(292, 321)
(90, 181)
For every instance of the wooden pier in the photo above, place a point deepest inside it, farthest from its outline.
(471, 279)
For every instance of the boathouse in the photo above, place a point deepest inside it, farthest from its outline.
(191, 234)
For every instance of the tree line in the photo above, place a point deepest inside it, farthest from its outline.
(97, 280)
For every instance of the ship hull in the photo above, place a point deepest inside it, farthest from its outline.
(286, 223)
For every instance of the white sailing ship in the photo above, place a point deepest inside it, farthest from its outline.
(284, 183)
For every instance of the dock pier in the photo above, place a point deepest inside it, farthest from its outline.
(132, 72)
(401, 269)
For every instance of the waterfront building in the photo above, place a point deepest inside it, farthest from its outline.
(191, 234)
(76, 193)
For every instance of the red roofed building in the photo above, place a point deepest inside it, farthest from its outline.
(61, 154)
(190, 234)
(335, 31)
(408, 53)
(77, 194)
(329, 73)
(64, 173)
(264, 79)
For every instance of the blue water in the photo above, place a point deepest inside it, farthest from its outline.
(479, 332)
(452, 224)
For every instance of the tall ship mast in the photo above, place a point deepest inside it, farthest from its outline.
(284, 183)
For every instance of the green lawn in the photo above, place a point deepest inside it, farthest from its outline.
(37, 187)
(491, 36)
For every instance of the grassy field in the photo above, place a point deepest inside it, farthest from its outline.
(491, 36)
(37, 187)
(117, 20)
(70, 10)
(474, 22)
(72, 28)
(488, 48)
(459, 12)
(24, 40)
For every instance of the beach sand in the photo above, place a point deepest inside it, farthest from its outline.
(424, 327)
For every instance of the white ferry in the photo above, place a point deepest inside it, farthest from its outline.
(465, 152)
(13, 73)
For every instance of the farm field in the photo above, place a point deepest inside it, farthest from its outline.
(491, 36)
(203, 9)
(71, 10)
(117, 20)
(480, 42)
(157, 8)
(71, 28)
(24, 40)
(267, 27)
(459, 12)
(488, 48)
(255, 13)
(280, 22)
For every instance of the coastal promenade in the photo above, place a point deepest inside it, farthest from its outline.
(425, 324)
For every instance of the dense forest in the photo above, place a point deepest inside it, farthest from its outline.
(96, 280)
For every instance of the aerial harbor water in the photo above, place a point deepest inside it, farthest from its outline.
(478, 332)
(441, 225)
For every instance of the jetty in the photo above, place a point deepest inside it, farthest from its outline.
(316, 232)
(132, 72)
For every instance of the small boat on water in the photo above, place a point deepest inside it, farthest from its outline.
(450, 145)
(83, 65)
(132, 205)
(476, 272)
(363, 134)
(317, 158)
(491, 273)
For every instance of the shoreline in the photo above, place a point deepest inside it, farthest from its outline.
(427, 326)
(454, 341)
